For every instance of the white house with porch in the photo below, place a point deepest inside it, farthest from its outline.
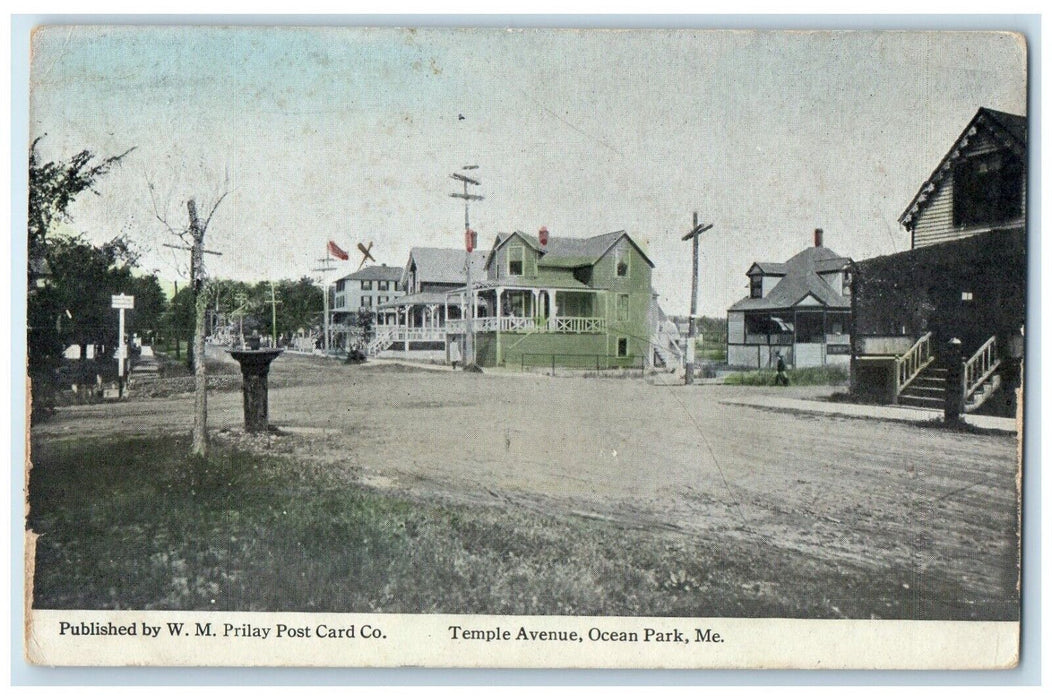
(800, 309)
(414, 325)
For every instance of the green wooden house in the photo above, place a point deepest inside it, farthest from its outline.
(571, 302)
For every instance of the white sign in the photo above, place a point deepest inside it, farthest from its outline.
(122, 301)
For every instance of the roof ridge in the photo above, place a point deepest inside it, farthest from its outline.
(983, 114)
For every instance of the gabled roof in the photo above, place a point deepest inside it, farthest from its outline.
(802, 278)
(1007, 129)
(565, 252)
(767, 268)
(376, 272)
(443, 265)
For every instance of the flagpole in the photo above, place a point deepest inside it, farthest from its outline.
(325, 293)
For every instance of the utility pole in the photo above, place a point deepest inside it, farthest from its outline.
(242, 302)
(325, 293)
(692, 333)
(273, 315)
(469, 245)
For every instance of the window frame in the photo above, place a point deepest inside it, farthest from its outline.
(521, 250)
(756, 286)
(987, 189)
(622, 257)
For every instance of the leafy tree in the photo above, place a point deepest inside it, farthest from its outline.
(364, 321)
(53, 187)
(713, 329)
(64, 307)
(178, 318)
(300, 307)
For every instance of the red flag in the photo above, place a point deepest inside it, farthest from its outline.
(337, 251)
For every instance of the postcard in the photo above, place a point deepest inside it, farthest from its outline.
(525, 348)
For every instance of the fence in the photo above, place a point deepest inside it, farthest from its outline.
(581, 361)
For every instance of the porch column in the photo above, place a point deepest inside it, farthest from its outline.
(552, 310)
(499, 291)
(405, 333)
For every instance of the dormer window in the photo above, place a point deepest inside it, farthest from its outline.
(621, 263)
(756, 286)
(987, 190)
(516, 255)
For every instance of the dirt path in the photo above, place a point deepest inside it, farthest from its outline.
(936, 506)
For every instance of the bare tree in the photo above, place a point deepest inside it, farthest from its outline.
(194, 234)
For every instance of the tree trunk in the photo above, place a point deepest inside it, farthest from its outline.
(200, 437)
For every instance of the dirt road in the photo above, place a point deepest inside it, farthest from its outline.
(935, 508)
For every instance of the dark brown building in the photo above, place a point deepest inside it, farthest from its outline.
(964, 279)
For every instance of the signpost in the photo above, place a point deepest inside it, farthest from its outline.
(121, 302)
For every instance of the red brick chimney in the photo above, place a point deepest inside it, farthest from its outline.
(818, 238)
(542, 236)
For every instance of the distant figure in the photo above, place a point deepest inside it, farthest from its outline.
(780, 378)
(454, 354)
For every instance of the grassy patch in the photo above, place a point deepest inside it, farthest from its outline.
(134, 523)
(806, 376)
(714, 352)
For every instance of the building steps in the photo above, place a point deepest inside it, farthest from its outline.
(928, 390)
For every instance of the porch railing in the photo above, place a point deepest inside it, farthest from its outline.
(420, 334)
(979, 367)
(580, 324)
(385, 337)
(913, 362)
(561, 324)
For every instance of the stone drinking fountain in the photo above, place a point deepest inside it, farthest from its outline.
(255, 366)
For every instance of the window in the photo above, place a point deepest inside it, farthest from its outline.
(383, 285)
(622, 347)
(810, 327)
(987, 189)
(845, 289)
(756, 286)
(381, 300)
(622, 307)
(515, 260)
(838, 323)
(966, 296)
(367, 284)
(367, 302)
(340, 285)
(621, 263)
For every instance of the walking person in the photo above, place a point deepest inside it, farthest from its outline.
(780, 377)
(454, 353)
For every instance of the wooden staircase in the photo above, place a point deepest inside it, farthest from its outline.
(927, 389)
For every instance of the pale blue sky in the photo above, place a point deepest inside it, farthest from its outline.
(350, 135)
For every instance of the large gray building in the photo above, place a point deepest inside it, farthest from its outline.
(367, 288)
